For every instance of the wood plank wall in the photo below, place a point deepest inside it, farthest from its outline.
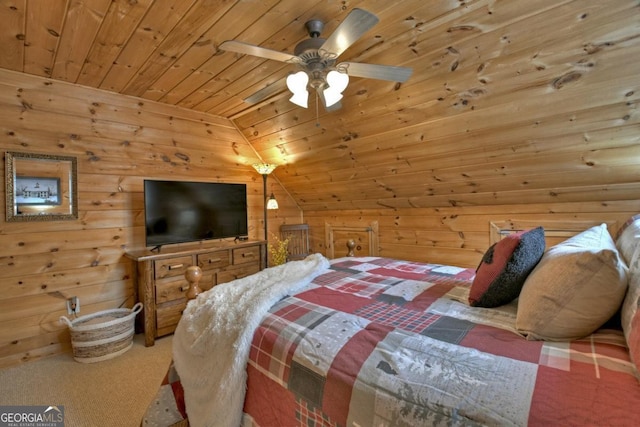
(118, 142)
(456, 235)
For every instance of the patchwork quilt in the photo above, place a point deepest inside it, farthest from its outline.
(381, 342)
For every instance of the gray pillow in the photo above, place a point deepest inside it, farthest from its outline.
(504, 268)
(575, 288)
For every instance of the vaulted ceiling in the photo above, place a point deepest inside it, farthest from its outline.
(505, 99)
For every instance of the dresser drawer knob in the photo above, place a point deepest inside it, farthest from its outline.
(212, 260)
(175, 266)
(184, 288)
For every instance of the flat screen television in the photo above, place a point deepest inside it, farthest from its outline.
(181, 211)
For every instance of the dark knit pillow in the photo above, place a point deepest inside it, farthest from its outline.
(504, 268)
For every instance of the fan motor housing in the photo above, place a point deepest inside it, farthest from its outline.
(308, 45)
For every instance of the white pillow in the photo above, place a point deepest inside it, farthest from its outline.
(576, 287)
(628, 240)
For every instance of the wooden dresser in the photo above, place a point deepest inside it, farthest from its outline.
(161, 283)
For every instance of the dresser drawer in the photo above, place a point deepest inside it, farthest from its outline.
(171, 289)
(211, 260)
(171, 267)
(234, 273)
(168, 315)
(244, 255)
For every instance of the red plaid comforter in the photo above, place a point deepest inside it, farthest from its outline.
(378, 342)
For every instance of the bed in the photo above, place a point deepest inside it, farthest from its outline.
(374, 341)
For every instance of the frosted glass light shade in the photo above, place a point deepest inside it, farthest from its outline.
(272, 203)
(301, 99)
(297, 84)
(337, 82)
(331, 97)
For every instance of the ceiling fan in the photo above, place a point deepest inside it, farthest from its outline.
(316, 59)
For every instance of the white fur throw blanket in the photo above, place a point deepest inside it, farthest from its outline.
(212, 341)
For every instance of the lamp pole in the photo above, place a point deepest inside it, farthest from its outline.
(264, 186)
(265, 169)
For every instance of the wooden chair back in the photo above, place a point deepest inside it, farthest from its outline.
(298, 235)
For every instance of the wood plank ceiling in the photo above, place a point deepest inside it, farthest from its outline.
(506, 97)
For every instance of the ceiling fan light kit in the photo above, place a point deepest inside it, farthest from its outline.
(316, 57)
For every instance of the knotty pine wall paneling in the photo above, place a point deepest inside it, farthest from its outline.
(118, 141)
(456, 235)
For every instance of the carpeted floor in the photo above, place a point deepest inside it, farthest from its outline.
(113, 392)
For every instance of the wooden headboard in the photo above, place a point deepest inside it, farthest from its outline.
(555, 231)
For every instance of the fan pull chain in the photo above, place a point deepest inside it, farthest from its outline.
(317, 112)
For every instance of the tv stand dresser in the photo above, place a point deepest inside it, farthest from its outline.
(162, 286)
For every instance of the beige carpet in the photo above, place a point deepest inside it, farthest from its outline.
(113, 392)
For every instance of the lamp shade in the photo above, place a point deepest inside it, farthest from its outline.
(297, 84)
(301, 99)
(272, 203)
(331, 96)
(264, 168)
(337, 82)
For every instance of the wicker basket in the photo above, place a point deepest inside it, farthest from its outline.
(102, 335)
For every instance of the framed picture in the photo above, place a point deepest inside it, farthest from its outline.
(31, 190)
(40, 187)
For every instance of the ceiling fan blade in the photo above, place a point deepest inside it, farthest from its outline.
(250, 49)
(356, 23)
(374, 71)
(266, 92)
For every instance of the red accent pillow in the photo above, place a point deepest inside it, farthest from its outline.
(504, 268)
